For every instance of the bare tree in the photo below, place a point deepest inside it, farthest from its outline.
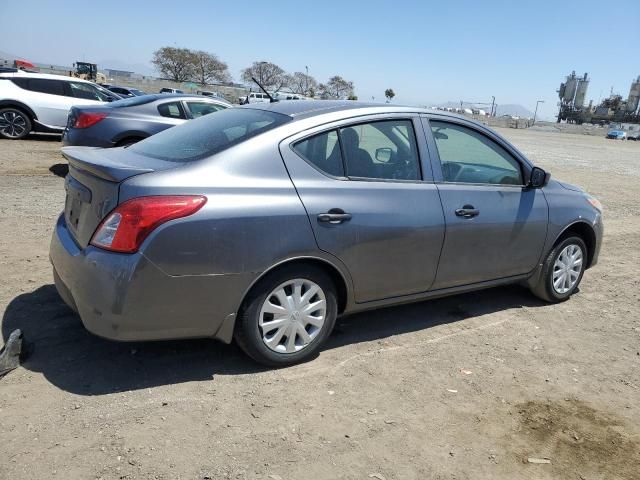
(208, 68)
(270, 75)
(336, 87)
(389, 93)
(174, 63)
(302, 84)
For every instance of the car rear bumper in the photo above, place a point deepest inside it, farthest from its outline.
(126, 297)
(73, 137)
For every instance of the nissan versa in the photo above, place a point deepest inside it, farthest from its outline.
(265, 222)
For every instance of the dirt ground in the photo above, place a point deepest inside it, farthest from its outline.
(467, 387)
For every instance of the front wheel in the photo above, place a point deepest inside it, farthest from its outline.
(288, 316)
(14, 124)
(562, 270)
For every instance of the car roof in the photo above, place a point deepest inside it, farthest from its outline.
(46, 76)
(194, 96)
(299, 109)
(156, 97)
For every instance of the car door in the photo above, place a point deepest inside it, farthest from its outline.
(495, 225)
(51, 102)
(371, 202)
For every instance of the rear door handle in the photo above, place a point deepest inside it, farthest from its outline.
(335, 216)
(468, 211)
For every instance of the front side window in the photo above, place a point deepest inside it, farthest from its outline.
(385, 150)
(467, 156)
(199, 109)
(87, 92)
(171, 110)
(323, 151)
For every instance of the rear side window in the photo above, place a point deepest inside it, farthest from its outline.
(171, 110)
(51, 87)
(322, 151)
(383, 150)
(199, 109)
(209, 135)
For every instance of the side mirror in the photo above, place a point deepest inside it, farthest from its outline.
(383, 155)
(538, 178)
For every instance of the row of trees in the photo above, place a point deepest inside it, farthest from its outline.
(274, 78)
(185, 65)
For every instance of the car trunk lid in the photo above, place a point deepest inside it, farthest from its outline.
(93, 182)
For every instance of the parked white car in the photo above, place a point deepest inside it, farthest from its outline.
(40, 102)
(290, 96)
(254, 97)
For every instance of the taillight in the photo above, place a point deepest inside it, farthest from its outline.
(86, 119)
(126, 227)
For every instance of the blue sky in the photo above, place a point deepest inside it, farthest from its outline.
(428, 52)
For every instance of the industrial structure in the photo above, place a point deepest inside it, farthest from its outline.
(573, 92)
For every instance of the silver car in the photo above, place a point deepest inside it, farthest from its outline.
(264, 223)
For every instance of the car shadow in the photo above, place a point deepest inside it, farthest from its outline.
(44, 137)
(59, 169)
(71, 358)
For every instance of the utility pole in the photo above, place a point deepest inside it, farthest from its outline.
(536, 112)
(493, 102)
(306, 81)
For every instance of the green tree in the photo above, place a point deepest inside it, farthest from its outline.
(337, 87)
(270, 75)
(176, 64)
(208, 68)
(302, 84)
(389, 93)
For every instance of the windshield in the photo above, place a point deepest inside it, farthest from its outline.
(209, 134)
(107, 93)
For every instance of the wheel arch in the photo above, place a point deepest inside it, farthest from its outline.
(128, 135)
(20, 106)
(337, 276)
(583, 230)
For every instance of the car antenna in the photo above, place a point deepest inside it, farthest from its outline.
(271, 99)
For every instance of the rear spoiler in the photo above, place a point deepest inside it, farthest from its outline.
(113, 165)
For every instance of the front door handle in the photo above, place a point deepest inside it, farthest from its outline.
(335, 216)
(468, 211)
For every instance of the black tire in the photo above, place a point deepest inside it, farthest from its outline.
(247, 330)
(14, 124)
(545, 289)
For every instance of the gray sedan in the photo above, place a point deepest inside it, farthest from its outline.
(264, 223)
(128, 121)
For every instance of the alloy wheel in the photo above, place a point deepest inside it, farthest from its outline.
(12, 124)
(292, 315)
(567, 269)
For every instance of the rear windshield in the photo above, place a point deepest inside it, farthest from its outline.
(209, 134)
(132, 101)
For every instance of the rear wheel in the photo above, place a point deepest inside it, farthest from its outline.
(14, 124)
(562, 270)
(288, 316)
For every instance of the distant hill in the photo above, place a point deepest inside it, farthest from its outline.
(514, 110)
